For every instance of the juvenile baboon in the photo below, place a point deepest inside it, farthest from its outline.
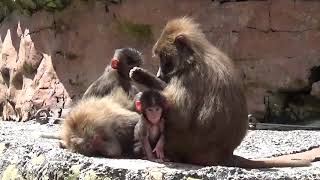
(100, 127)
(116, 74)
(149, 131)
(207, 118)
(101, 123)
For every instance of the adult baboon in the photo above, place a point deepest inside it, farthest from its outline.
(208, 116)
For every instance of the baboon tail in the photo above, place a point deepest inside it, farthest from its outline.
(237, 161)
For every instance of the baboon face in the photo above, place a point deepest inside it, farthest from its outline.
(128, 58)
(174, 56)
(96, 145)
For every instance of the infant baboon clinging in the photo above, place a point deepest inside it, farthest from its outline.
(100, 127)
(116, 74)
(207, 118)
(149, 131)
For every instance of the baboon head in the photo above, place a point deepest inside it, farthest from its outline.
(127, 59)
(177, 47)
(152, 98)
(98, 144)
(90, 140)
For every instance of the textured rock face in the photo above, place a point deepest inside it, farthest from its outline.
(49, 59)
(24, 155)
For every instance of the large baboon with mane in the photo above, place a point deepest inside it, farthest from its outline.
(208, 116)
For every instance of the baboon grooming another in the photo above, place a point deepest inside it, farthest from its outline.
(207, 118)
(116, 74)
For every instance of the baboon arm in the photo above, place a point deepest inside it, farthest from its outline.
(99, 88)
(145, 78)
(147, 148)
(159, 148)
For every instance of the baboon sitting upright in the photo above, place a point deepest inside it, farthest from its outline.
(207, 118)
(116, 74)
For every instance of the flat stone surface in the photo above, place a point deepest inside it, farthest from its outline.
(26, 156)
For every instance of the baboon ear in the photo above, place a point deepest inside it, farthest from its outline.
(181, 41)
(138, 106)
(114, 63)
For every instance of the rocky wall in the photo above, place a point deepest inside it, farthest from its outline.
(48, 57)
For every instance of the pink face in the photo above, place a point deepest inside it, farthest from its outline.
(154, 114)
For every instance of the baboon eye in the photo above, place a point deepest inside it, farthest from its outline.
(167, 67)
(166, 63)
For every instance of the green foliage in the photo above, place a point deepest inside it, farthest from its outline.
(50, 5)
(28, 68)
(6, 7)
(30, 6)
(136, 31)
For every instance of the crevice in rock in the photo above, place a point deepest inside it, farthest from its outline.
(230, 1)
(115, 1)
(235, 31)
(281, 31)
(291, 107)
(256, 29)
(269, 10)
(314, 75)
(17, 81)
(294, 107)
(5, 72)
(292, 31)
(40, 29)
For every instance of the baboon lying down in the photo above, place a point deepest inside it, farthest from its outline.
(208, 116)
(100, 127)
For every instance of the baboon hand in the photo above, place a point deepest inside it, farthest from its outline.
(159, 152)
(136, 73)
(147, 79)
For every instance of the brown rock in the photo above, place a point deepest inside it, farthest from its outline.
(255, 45)
(288, 15)
(48, 61)
(286, 74)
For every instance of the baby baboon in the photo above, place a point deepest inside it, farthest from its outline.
(207, 118)
(116, 74)
(100, 127)
(149, 131)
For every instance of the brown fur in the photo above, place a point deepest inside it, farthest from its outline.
(148, 99)
(103, 117)
(112, 79)
(207, 119)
